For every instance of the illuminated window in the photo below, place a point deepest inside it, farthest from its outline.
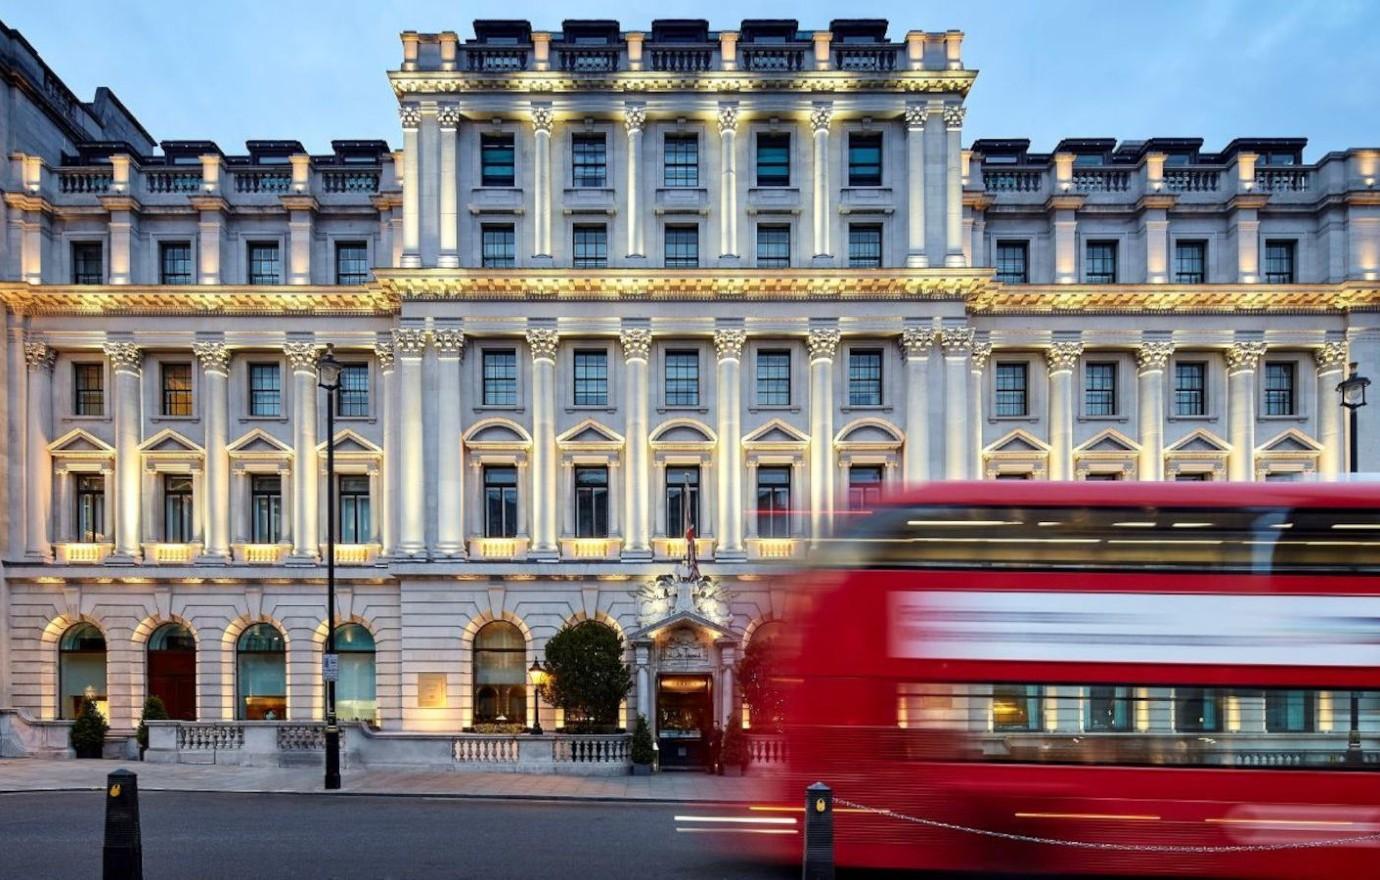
(177, 509)
(265, 390)
(1016, 707)
(591, 502)
(1099, 392)
(500, 502)
(353, 496)
(682, 166)
(682, 499)
(88, 387)
(774, 502)
(500, 674)
(356, 695)
(177, 389)
(1280, 398)
(81, 669)
(266, 508)
(864, 158)
(90, 492)
(1190, 388)
(261, 674)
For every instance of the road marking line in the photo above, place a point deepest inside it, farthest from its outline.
(738, 820)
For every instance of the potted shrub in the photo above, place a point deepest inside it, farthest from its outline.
(643, 754)
(735, 750)
(88, 731)
(154, 710)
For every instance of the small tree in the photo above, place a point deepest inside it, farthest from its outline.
(735, 750)
(759, 678)
(588, 676)
(642, 751)
(89, 730)
(154, 710)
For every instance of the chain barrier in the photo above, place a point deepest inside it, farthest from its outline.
(1114, 847)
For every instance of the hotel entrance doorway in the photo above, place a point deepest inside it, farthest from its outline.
(685, 717)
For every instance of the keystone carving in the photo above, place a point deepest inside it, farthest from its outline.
(823, 343)
(1245, 355)
(1154, 355)
(916, 342)
(543, 342)
(124, 356)
(637, 343)
(214, 356)
(1063, 356)
(728, 344)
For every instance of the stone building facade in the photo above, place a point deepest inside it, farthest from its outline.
(607, 271)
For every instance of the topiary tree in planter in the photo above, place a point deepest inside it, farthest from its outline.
(88, 731)
(735, 755)
(154, 710)
(643, 754)
(588, 676)
(759, 678)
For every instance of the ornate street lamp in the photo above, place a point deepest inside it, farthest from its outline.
(538, 675)
(328, 378)
(1352, 390)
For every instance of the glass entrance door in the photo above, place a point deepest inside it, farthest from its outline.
(684, 720)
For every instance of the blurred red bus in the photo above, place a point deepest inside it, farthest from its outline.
(1158, 667)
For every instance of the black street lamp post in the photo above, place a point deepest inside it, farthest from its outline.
(328, 372)
(538, 675)
(1353, 393)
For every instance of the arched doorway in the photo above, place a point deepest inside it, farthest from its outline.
(500, 675)
(261, 674)
(171, 672)
(355, 692)
(81, 670)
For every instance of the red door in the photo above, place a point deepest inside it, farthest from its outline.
(172, 677)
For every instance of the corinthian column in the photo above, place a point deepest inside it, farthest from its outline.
(637, 345)
(543, 342)
(728, 180)
(40, 359)
(957, 343)
(450, 472)
(215, 507)
(634, 115)
(409, 344)
(541, 181)
(302, 357)
(953, 190)
(728, 520)
(1153, 360)
(1331, 358)
(1062, 358)
(916, 345)
(125, 361)
(916, 117)
(1242, 360)
(819, 124)
(411, 116)
(823, 344)
(448, 118)
(388, 414)
(977, 365)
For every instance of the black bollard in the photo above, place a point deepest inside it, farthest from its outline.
(123, 856)
(819, 832)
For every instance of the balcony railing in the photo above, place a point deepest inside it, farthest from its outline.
(352, 181)
(865, 59)
(1013, 181)
(682, 58)
(587, 59)
(172, 181)
(493, 59)
(84, 180)
(1098, 180)
(774, 59)
(1192, 179)
(263, 180)
(1281, 180)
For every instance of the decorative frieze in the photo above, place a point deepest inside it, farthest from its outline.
(917, 342)
(823, 343)
(214, 356)
(1063, 355)
(124, 356)
(302, 356)
(1243, 356)
(543, 342)
(956, 341)
(636, 342)
(728, 344)
(1331, 356)
(409, 341)
(1154, 355)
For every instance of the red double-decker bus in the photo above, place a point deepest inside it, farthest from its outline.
(1099, 678)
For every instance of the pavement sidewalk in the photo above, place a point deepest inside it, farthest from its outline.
(28, 774)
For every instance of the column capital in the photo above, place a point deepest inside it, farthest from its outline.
(302, 356)
(448, 115)
(541, 118)
(823, 343)
(1244, 356)
(728, 116)
(953, 116)
(383, 351)
(409, 341)
(1331, 356)
(1063, 356)
(214, 356)
(956, 341)
(634, 116)
(917, 342)
(38, 355)
(728, 344)
(981, 352)
(636, 342)
(410, 114)
(1152, 356)
(820, 115)
(124, 356)
(543, 342)
(916, 115)
(449, 341)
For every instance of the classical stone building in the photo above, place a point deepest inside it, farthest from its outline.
(612, 281)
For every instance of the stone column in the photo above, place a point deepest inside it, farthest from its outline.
(409, 344)
(215, 505)
(642, 656)
(16, 418)
(634, 116)
(728, 180)
(916, 345)
(823, 344)
(543, 342)
(125, 362)
(448, 118)
(388, 413)
(1331, 358)
(40, 359)
(728, 469)
(958, 344)
(953, 189)
(450, 472)
(977, 415)
(541, 181)
(411, 116)
(1062, 357)
(1242, 360)
(637, 346)
(916, 117)
(727, 656)
(1152, 357)
(302, 356)
(819, 207)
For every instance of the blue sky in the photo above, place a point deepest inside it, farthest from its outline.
(313, 70)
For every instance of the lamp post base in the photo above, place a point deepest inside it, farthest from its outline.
(332, 757)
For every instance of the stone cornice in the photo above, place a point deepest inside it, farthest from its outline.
(183, 300)
(1027, 299)
(432, 82)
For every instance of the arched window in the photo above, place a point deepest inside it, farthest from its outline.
(500, 674)
(172, 670)
(261, 674)
(355, 695)
(81, 670)
(763, 691)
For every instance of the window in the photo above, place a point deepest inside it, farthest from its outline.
(352, 397)
(351, 262)
(682, 378)
(682, 164)
(355, 692)
(773, 246)
(1190, 388)
(496, 160)
(864, 246)
(682, 248)
(500, 502)
(1016, 707)
(864, 486)
(1100, 264)
(1109, 709)
(265, 508)
(81, 670)
(87, 265)
(261, 674)
(774, 502)
(264, 267)
(592, 378)
(265, 390)
(773, 159)
(591, 502)
(864, 158)
(1014, 475)
(591, 246)
(171, 670)
(500, 674)
(865, 377)
(682, 499)
(353, 492)
(500, 377)
(177, 509)
(177, 389)
(1013, 262)
(1197, 477)
(1197, 710)
(1279, 262)
(498, 246)
(175, 262)
(589, 161)
(1012, 398)
(1103, 477)
(1289, 711)
(1279, 388)
(90, 508)
(88, 389)
(1099, 392)
(1190, 262)
(774, 378)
